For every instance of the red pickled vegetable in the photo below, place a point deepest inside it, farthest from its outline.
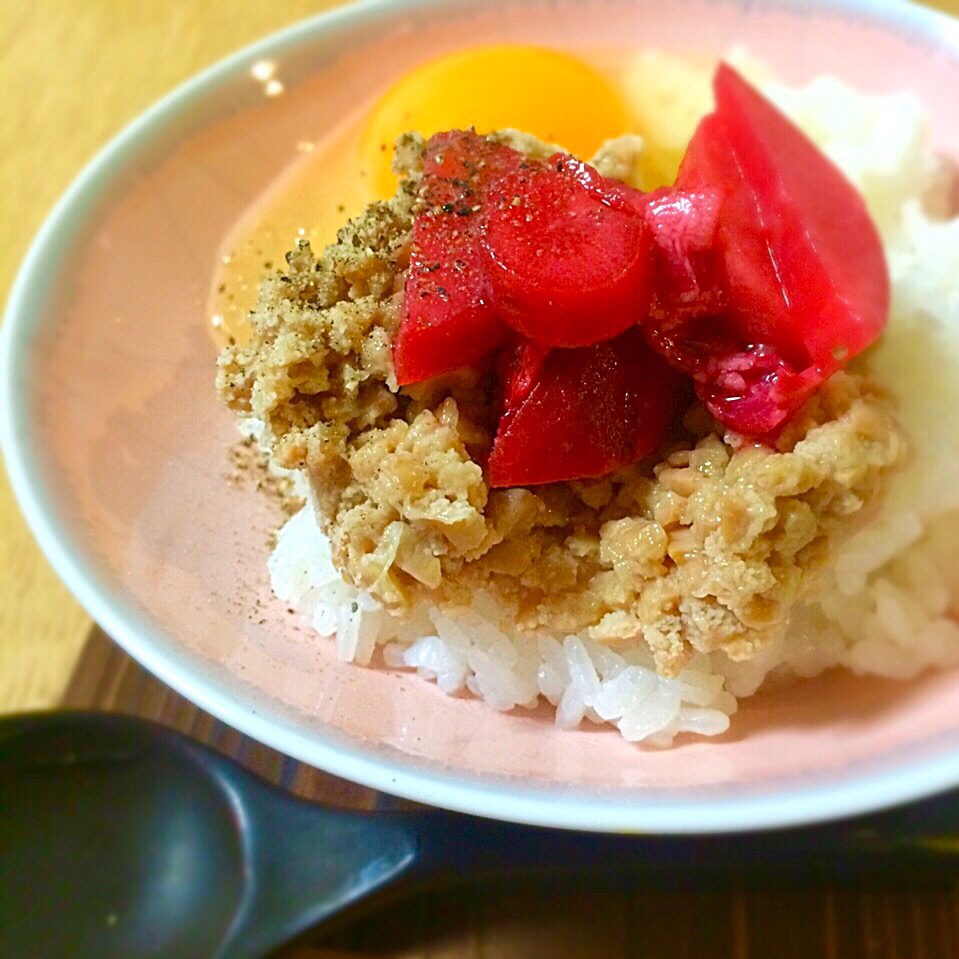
(566, 269)
(519, 366)
(579, 413)
(824, 267)
(689, 274)
(614, 193)
(682, 225)
(758, 275)
(805, 277)
(448, 320)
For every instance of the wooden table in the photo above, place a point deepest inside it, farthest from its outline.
(60, 99)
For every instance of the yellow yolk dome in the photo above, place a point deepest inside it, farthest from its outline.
(550, 94)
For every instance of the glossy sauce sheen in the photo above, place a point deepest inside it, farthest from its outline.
(320, 191)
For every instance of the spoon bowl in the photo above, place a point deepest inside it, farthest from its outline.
(122, 826)
(123, 838)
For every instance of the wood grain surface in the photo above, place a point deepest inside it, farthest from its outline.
(72, 72)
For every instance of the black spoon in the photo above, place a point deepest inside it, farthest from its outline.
(119, 837)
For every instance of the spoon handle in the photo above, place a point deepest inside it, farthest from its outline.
(912, 844)
(324, 866)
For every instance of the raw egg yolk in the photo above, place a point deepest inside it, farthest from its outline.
(550, 94)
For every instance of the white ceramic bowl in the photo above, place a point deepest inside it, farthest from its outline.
(116, 445)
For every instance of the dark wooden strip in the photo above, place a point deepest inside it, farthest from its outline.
(93, 672)
(847, 922)
(947, 927)
(567, 921)
(830, 925)
(106, 678)
(784, 923)
(81, 690)
(920, 920)
(679, 925)
(740, 926)
(555, 920)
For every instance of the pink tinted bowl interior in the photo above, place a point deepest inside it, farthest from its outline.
(120, 450)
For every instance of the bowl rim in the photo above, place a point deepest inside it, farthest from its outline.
(411, 778)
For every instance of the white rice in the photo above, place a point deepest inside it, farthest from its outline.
(893, 592)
